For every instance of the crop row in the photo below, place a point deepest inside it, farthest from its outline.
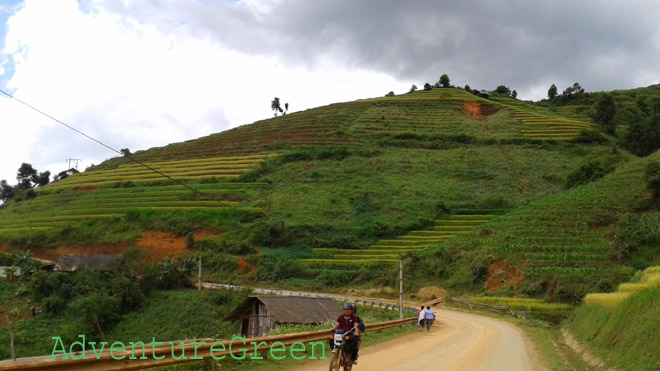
(523, 304)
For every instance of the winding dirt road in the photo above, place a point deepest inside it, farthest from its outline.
(457, 341)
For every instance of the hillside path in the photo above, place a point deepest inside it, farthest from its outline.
(457, 341)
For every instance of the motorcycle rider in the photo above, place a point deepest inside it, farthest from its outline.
(347, 322)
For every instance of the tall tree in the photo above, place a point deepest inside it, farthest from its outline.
(514, 94)
(552, 92)
(42, 179)
(6, 191)
(275, 106)
(444, 80)
(503, 90)
(412, 89)
(25, 175)
(605, 112)
(428, 86)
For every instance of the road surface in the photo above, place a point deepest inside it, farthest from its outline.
(457, 341)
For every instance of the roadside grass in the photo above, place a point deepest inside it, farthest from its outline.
(624, 336)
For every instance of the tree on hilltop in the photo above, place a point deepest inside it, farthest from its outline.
(428, 86)
(444, 81)
(552, 92)
(413, 88)
(277, 108)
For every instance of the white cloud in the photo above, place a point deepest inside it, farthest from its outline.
(134, 85)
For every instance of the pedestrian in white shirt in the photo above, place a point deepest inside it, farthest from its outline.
(420, 318)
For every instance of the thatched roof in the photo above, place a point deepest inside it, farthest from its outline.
(71, 263)
(291, 309)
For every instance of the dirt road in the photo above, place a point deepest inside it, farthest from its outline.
(457, 341)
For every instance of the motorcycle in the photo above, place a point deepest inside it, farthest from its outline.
(344, 346)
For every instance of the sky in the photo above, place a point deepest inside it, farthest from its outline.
(138, 74)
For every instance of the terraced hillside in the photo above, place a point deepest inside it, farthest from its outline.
(439, 112)
(541, 123)
(353, 181)
(391, 250)
(565, 236)
(110, 194)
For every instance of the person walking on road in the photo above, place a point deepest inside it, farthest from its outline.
(428, 318)
(420, 318)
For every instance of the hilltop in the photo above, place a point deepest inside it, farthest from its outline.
(279, 200)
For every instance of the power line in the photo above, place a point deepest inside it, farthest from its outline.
(101, 143)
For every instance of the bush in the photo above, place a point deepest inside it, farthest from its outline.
(589, 136)
(652, 172)
(637, 239)
(588, 172)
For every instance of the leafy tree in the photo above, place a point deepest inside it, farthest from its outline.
(552, 92)
(467, 88)
(605, 112)
(97, 310)
(25, 175)
(42, 179)
(643, 136)
(23, 260)
(390, 94)
(428, 86)
(503, 90)
(412, 89)
(652, 172)
(444, 81)
(125, 151)
(514, 94)
(275, 106)
(7, 191)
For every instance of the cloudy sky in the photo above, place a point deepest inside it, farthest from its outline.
(137, 74)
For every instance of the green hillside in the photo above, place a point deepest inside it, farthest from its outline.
(348, 182)
(563, 244)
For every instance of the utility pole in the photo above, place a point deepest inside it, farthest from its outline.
(74, 160)
(400, 289)
(199, 275)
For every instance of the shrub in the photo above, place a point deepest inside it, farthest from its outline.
(588, 172)
(652, 172)
(589, 136)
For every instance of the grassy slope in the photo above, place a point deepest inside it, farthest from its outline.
(625, 336)
(408, 158)
(566, 235)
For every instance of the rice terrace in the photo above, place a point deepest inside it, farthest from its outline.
(444, 227)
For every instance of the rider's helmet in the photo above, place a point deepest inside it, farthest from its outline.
(354, 307)
(347, 306)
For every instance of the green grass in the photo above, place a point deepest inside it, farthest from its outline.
(625, 336)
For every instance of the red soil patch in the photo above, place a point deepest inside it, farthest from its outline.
(198, 235)
(473, 109)
(501, 275)
(158, 245)
(242, 264)
(477, 110)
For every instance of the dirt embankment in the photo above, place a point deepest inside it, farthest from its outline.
(157, 245)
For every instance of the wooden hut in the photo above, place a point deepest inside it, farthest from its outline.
(260, 314)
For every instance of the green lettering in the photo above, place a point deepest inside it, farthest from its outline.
(153, 347)
(256, 347)
(293, 346)
(183, 350)
(133, 350)
(223, 349)
(231, 344)
(58, 340)
(313, 344)
(197, 346)
(82, 347)
(112, 350)
(93, 344)
(272, 349)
